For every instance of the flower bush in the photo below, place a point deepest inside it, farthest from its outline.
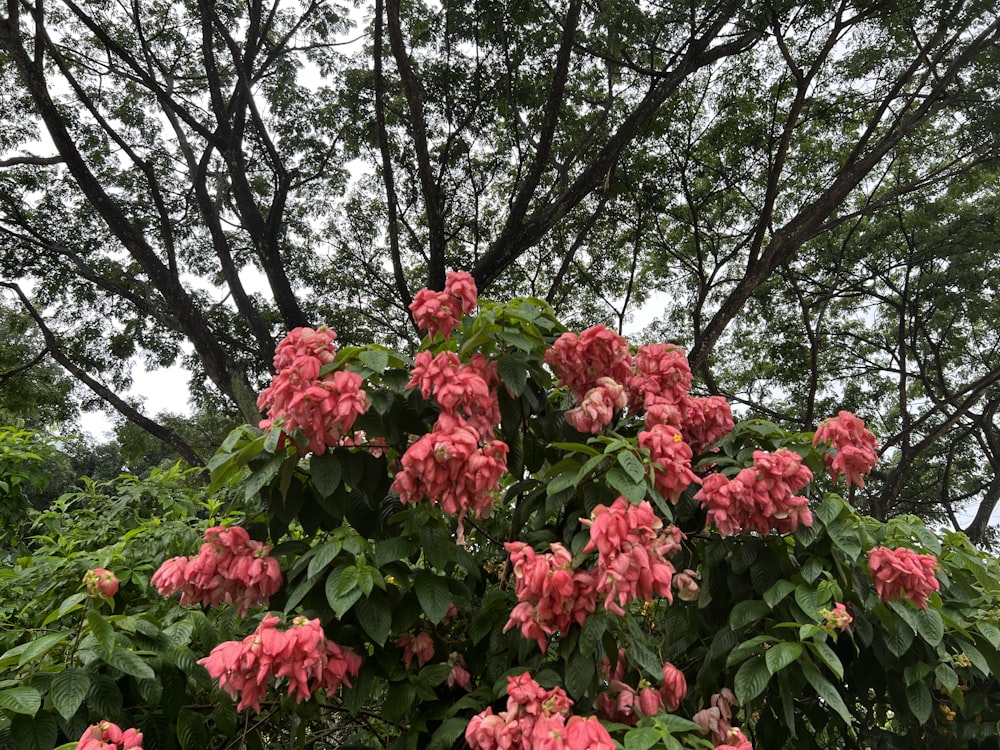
(521, 537)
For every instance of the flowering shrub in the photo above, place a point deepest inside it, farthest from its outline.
(520, 537)
(109, 736)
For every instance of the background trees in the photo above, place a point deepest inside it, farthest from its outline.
(198, 177)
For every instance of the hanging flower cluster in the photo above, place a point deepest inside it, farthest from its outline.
(715, 720)
(302, 655)
(625, 704)
(536, 719)
(106, 735)
(671, 458)
(551, 595)
(458, 464)
(854, 447)
(323, 407)
(100, 583)
(761, 497)
(632, 553)
(837, 618)
(902, 573)
(230, 567)
(420, 646)
(442, 311)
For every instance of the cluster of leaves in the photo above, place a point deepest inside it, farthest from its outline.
(375, 570)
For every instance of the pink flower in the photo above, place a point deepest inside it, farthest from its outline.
(853, 445)
(903, 574)
(760, 498)
(100, 583)
(106, 735)
(735, 740)
(632, 553)
(587, 734)
(662, 372)
(579, 360)
(230, 567)
(598, 406)
(464, 393)
(453, 471)
(421, 646)
(686, 585)
(301, 655)
(715, 720)
(442, 311)
(459, 675)
(300, 397)
(837, 618)
(551, 594)
(674, 687)
(535, 718)
(671, 458)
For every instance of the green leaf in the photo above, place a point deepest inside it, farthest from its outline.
(829, 657)
(68, 690)
(326, 473)
(807, 599)
(594, 628)
(946, 677)
(393, 549)
(580, 670)
(38, 732)
(846, 538)
(323, 556)
(513, 372)
(102, 632)
(342, 589)
(825, 690)
(751, 679)
(747, 612)
(642, 738)
(375, 616)
(919, 699)
(634, 492)
(930, 626)
(41, 646)
(191, 732)
(780, 655)
(447, 733)
(433, 595)
(21, 700)
(632, 465)
(130, 664)
(777, 593)
(898, 636)
(375, 360)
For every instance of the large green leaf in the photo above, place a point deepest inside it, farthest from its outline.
(68, 690)
(433, 595)
(21, 700)
(751, 679)
(780, 655)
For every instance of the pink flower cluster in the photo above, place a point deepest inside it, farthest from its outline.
(837, 618)
(302, 655)
(662, 374)
(735, 740)
(579, 361)
(454, 471)
(598, 406)
(100, 583)
(536, 719)
(716, 719)
(323, 407)
(465, 393)
(854, 447)
(671, 458)
(106, 735)
(632, 553)
(459, 674)
(420, 646)
(901, 573)
(625, 704)
(230, 567)
(442, 311)
(551, 595)
(761, 497)
(686, 585)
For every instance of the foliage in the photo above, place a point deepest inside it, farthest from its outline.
(375, 570)
(25, 461)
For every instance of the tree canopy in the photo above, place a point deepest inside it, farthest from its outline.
(804, 183)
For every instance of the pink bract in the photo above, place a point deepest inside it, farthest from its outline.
(100, 583)
(579, 360)
(854, 447)
(106, 735)
(902, 573)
